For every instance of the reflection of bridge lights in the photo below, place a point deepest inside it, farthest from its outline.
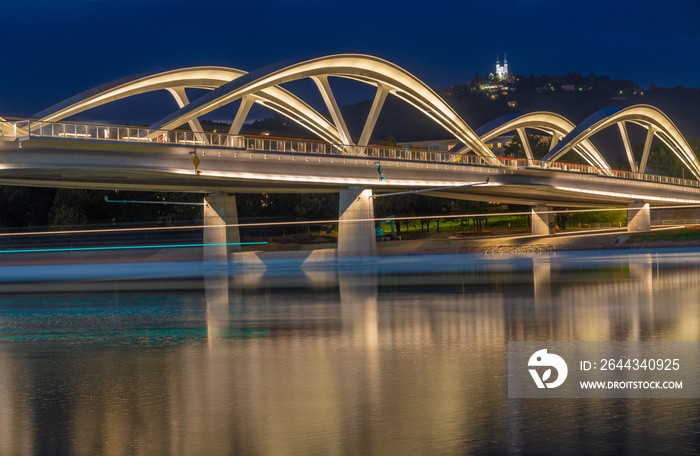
(125, 247)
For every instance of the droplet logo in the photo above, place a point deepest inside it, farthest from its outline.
(543, 359)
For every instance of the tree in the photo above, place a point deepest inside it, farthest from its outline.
(538, 144)
(70, 208)
(540, 147)
(317, 206)
(389, 141)
(661, 161)
(396, 205)
(25, 206)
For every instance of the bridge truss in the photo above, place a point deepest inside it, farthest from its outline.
(264, 87)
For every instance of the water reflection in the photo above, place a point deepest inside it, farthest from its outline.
(406, 356)
(216, 294)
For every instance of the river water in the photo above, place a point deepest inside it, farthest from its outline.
(403, 356)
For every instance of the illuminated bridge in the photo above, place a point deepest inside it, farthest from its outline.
(49, 151)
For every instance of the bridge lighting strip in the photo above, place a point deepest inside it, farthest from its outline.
(628, 195)
(374, 182)
(125, 247)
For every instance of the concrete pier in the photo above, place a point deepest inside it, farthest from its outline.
(356, 235)
(638, 217)
(220, 210)
(542, 223)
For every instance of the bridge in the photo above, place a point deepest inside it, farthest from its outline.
(49, 151)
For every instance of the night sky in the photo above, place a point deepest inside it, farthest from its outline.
(55, 49)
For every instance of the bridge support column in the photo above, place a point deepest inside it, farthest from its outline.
(356, 235)
(542, 223)
(220, 210)
(638, 217)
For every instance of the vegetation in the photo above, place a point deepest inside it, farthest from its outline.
(677, 236)
(598, 218)
(539, 145)
(47, 207)
(663, 162)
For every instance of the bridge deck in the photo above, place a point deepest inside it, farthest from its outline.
(130, 158)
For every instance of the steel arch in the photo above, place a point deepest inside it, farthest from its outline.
(551, 123)
(363, 68)
(275, 98)
(648, 116)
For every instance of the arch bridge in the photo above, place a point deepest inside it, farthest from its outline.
(50, 151)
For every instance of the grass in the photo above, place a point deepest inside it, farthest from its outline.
(586, 220)
(604, 218)
(464, 224)
(513, 222)
(684, 235)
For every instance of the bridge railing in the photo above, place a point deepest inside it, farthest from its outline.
(67, 130)
(615, 173)
(404, 153)
(376, 152)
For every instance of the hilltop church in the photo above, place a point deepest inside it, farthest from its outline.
(502, 70)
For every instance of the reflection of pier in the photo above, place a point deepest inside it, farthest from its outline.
(623, 301)
(401, 359)
(575, 300)
(15, 416)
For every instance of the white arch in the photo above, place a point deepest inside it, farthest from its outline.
(367, 69)
(657, 123)
(6, 129)
(275, 98)
(263, 87)
(551, 123)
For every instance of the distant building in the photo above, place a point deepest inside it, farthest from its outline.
(499, 143)
(502, 70)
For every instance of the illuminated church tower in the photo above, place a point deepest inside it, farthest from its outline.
(502, 70)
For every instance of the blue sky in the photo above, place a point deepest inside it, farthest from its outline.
(55, 49)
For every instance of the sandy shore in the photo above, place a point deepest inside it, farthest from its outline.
(610, 239)
(447, 242)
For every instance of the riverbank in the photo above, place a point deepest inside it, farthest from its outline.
(661, 237)
(182, 268)
(429, 244)
(448, 242)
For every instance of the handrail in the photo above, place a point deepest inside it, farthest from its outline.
(406, 154)
(98, 132)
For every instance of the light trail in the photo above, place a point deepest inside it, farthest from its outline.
(332, 221)
(125, 247)
(152, 202)
(424, 190)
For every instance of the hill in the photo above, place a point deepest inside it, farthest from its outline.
(482, 100)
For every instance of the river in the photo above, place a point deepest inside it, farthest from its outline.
(403, 356)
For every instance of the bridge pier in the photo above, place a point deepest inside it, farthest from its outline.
(542, 222)
(638, 217)
(356, 234)
(220, 210)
